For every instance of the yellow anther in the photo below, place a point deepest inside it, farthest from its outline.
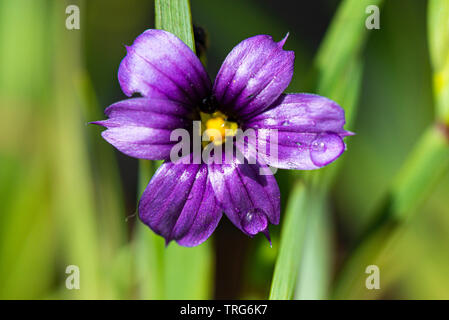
(217, 128)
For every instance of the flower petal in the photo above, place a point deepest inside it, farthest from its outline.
(141, 127)
(159, 64)
(309, 131)
(253, 76)
(179, 204)
(250, 200)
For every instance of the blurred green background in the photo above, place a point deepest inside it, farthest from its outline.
(68, 198)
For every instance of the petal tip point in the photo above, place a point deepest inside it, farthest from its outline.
(167, 242)
(267, 235)
(349, 133)
(98, 123)
(282, 42)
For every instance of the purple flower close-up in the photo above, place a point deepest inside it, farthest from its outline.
(185, 202)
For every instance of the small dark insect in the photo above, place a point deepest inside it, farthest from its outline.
(201, 40)
(209, 104)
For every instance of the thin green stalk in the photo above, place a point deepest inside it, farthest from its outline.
(287, 263)
(174, 16)
(149, 247)
(315, 268)
(174, 272)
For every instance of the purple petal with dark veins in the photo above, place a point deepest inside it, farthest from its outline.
(310, 131)
(179, 204)
(158, 64)
(253, 76)
(141, 127)
(250, 200)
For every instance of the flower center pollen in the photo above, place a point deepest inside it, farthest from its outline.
(216, 127)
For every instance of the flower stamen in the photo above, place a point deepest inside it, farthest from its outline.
(217, 127)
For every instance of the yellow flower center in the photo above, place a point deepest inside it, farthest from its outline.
(216, 127)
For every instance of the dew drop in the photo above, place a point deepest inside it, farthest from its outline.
(318, 146)
(249, 215)
(286, 123)
(328, 147)
(254, 221)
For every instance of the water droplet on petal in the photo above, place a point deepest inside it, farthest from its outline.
(326, 148)
(286, 123)
(254, 221)
(249, 216)
(318, 146)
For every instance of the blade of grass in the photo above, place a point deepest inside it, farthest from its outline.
(339, 78)
(315, 267)
(438, 30)
(420, 172)
(291, 245)
(72, 185)
(149, 247)
(174, 16)
(186, 273)
(27, 237)
(108, 192)
(343, 42)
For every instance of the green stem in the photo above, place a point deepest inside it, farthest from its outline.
(315, 268)
(174, 16)
(174, 272)
(287, 263)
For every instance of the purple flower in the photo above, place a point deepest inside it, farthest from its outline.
(184, 202)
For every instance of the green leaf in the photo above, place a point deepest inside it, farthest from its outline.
(174, 16)
(74, 200)
(291, 245)
(339, 78)
(424, 167)
(343, 43)
(438, 29)
(315, 268)
(27, 237)
(189, 272)
(340, 67)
